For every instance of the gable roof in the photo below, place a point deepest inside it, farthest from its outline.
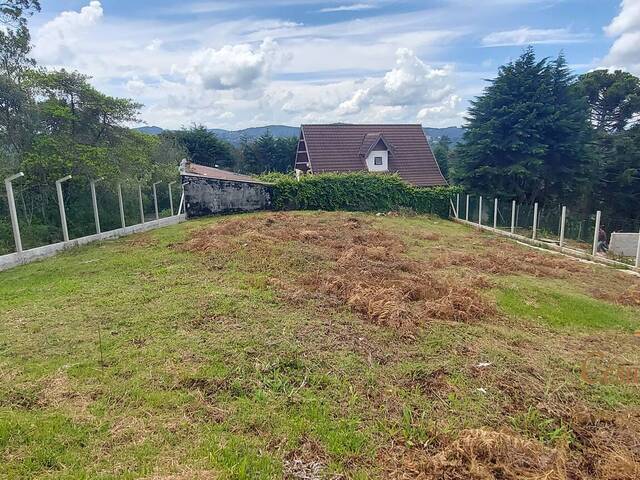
(344, 148)
(374, 141)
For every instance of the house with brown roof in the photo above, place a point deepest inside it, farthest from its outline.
(402, 149)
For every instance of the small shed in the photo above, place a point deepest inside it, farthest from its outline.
(209, 191)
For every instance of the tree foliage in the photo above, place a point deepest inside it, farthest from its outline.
(442, 152)
(54, 123)
(614, 98)
(203, 146)
(13, 13)
(526, 135)
(268, 154)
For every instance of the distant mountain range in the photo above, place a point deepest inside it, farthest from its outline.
(235, 136)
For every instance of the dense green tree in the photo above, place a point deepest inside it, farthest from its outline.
(614, 98)
(616, 188)
(526, 133)
(268, 154)
(442, 151)
(203, 146)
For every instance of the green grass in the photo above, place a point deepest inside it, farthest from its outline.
(207, 370)
(561, 306)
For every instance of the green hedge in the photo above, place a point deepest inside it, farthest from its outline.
(357, 191)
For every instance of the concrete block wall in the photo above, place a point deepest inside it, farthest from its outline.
(207, 196)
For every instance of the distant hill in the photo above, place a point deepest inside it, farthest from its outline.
(235, 136)
(150, 130)
(454, 133)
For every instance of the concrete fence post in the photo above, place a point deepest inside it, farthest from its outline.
(594, 250)
(171, 198)
(466, 212)
(563, 220)
(458, 205)
(513, 216)
(63, 213)
(535, 220)
(121, 205)
(182, 206)
(495, 213)
(12, 210)
(638, 252)
(155, 199)
(94, 201)
(140, 203)
(480, 210)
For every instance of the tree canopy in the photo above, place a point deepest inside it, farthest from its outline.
(526, 134)
(614, 98)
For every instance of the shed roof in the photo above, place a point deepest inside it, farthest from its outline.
(196, 170)
(341, 147)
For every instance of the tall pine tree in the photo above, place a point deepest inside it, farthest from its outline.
(526, 134)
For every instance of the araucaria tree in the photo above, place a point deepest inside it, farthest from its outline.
(527, 134)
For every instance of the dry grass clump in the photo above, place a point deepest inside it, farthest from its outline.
(607, 443)
(631, 296)
(58, 392)
(503, 259)
(480, 454)
(365, 269)
(485, 454)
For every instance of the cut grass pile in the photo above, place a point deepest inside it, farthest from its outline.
(318, 345)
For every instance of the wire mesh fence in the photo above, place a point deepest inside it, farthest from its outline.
(609, 236)
(41, 211)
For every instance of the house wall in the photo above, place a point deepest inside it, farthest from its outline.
(385, 161)
(207, 196)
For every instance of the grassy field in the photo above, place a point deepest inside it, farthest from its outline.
(318, 345)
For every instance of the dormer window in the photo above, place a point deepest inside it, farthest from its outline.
(377, 160)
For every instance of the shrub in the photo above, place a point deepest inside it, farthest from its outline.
(358, 191)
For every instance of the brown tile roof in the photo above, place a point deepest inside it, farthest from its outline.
(195, 170)
(340, 148)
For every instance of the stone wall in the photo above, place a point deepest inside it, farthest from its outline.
(207, 196)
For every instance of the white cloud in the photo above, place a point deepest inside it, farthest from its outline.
(136, 86)
(223, 73)
(411, 83)
(348, 8)
(154, 45)
(628, 20)
(533, 36)
(57, 39)
(624, 52)
(233, 66)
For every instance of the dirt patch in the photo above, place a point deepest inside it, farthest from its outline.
(186, 474)
(57, 391)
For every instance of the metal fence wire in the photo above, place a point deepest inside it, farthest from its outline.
(85, 207)
(555, 224)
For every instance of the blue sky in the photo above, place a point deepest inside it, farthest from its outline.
(235, 64)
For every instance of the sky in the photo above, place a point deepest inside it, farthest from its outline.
(238, 64)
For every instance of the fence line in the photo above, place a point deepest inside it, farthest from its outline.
(25, 256)
(535, 225)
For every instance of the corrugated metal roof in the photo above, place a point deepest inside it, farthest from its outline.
(337, 148)
(193, 169)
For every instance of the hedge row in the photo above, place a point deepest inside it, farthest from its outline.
(357, 192)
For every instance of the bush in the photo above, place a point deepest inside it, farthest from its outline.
(358, 191)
